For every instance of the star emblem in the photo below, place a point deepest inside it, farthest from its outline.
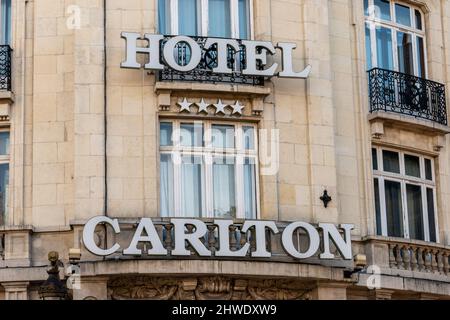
(220, 107)
(185, 105)
(202, 106)
(237, 108)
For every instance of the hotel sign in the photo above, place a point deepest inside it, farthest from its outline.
(166, 54)
(192, 233)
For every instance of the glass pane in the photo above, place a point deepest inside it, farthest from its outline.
(164, 17)
(391, 162)
(366, 7)
(418, 16)
(431, 215)
(375, 159)
(403, 15)
(384, 48)
(368, 48)
(250, 188)
(188, 20)
(383, 9)
(223, 136)
(415, 212)
(165, 134)
(4, 143)
(412, 166)
(420, 58)
(4, 192)
(428, 170)
(191, 135)
(405, 53)
(249, 138)
(166, 186)
(191, 187)
(244, 19)
(5, 19)
(219, 18)
(378, 207)
(394, 215)
(224, 188)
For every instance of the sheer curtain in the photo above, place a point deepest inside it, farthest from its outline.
(394, 209)
(250, 189)
(166, 185)
(4, 192)
(5, 26)
(244, 19)
(191, 187)
(164, 16)
(415, 212)
(224, 189)
(219, 18)
(188, 19)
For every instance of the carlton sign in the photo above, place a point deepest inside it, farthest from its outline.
(184, 239)
(163, 54)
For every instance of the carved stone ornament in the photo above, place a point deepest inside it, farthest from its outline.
(206, 288)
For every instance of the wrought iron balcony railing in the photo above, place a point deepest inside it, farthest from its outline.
(401, 93)
(203, 72)
(5, 68)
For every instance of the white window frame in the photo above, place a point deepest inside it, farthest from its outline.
(404, 180)
(6, 159)
(239, 153)
(203, 26)
(395, 27)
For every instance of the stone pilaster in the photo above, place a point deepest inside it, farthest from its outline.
(330, 291)
(92, 289)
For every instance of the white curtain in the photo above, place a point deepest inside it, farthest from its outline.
(191, 187)
(224, 190)
(166, 174)
(249, 189)
(219, 18)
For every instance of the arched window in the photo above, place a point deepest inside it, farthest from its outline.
(395, 37)
(212, 18)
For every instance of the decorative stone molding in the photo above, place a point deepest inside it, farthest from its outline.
(16, 290)
(206, 288)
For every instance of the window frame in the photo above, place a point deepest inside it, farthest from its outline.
(405, 180)
(373, 23)
(208, 153)
(203, 23)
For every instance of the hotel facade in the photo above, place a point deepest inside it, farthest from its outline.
(239, 142)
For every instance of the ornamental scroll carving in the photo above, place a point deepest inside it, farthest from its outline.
(206, 288)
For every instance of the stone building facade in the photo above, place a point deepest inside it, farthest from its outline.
(80, 137)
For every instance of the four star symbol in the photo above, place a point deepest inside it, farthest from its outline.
(237, 108)
(185, 105)
(202, 106)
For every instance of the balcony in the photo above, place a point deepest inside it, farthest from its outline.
(5, 68)
(407, 95)
(203, 72)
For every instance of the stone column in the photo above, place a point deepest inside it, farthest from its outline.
(330, 291)
(16, 290)
(92, 289)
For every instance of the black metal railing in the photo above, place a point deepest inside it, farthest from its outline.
(397, 92)
(5, 68)
(203, 72)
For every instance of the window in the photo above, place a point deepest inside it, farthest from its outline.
(405, 192)
(208, 169)
(213, 18)
(4, 176)
(5, 22)
(395, 39)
